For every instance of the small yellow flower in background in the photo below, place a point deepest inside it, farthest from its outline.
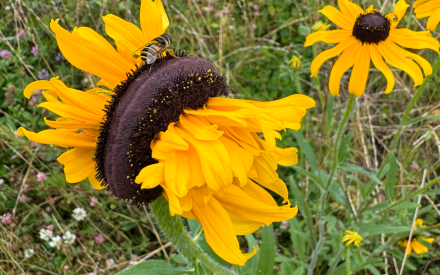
(319, 26)
(425, 8)
(351, 239)
(295, 63)
(415, 244)
(370, 36)
(165, 129)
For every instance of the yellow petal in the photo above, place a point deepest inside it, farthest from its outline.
(241, 160)
(277, 185)
(151, 176)
(258, 193)
(177, 173)
(71, 112)
(45, 85)
(88, 51)
(219, 231)
(414, 40)
(199, 127)
(173, 201)
(399, 11)
(243, 227)
(395, 57)
(361, 69)
(333, 36)
(433, 20)
(418, 3)
(127, 35)
(94, 182)
(325, 55)
(239, 203)
(59, 138)
(350, 10)
(334, 15)
(78, 164)
(62, 123)
(344, 62)
(378, 62)
(165, 21)
(285, 157)
(418, 247)
(151, 20)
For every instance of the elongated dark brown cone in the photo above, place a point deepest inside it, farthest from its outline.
(145, 104)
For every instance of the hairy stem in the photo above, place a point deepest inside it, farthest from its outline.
(173, 229)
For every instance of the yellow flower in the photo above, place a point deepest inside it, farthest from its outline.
(164, 129)
(415, 245)
(419, 224)
(366, 36)
(295, 62)
(351, 239)
(425, 8)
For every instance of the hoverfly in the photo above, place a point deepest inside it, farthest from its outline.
(155, 48)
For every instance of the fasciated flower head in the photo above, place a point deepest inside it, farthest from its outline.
(428, 8)
(165, 129)
(366, 36)
(351, 238)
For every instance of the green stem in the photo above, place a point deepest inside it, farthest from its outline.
(173, 229)
(315, 81)
(298, 84)
(338, 138)
(407, 111)
(348, 262)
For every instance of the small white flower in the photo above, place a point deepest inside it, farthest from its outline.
(2, 181)
(29, 253)
(110, 263)
(55, 242)
(79, 213)
(133, 262)
(45, 234)
(69, 238)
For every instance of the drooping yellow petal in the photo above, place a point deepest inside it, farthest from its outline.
(59, 138)
(333, 36)
(344, 62)
(392, 54)
(199, 127)
(334, 15)
(151, 20)
(71, 112)
(78, 164)
(63, 123)
(378, 62)
(45, 85)
(285, 157)
(258, 193)
(418, 247)
(236, 201)
(88, 51)
(177, 173)
(127, 36)
(325, 55)
(243, 227)
(414, 40)
(220, 232)
(94, 182)
(361, 68)
(165, 21)
(241, 160)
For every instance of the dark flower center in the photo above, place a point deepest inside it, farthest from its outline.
(142, 106)
(371, 27)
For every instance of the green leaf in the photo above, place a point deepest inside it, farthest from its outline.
(357, 169)
(266, 260)
(376, 229)
(391, 177)
(329, 113)
(419, 119)
(179, 258)
(343, 148)
(306, 149)
(250, 267)
(153, 267)
(432, 192)
(339, 195)
(310, 175)
(364, 264)
(298, 237)
(287, 268)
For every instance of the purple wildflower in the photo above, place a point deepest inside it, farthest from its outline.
(60, 57)
(5, 54)
(41, 176)
(21, 34)
(6, 218)
(35, 51)
(43, 74)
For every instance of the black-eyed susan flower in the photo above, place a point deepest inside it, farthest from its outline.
(366, 36)
(165, 129)
(415, 245)
(351, 238)
(428, 8)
